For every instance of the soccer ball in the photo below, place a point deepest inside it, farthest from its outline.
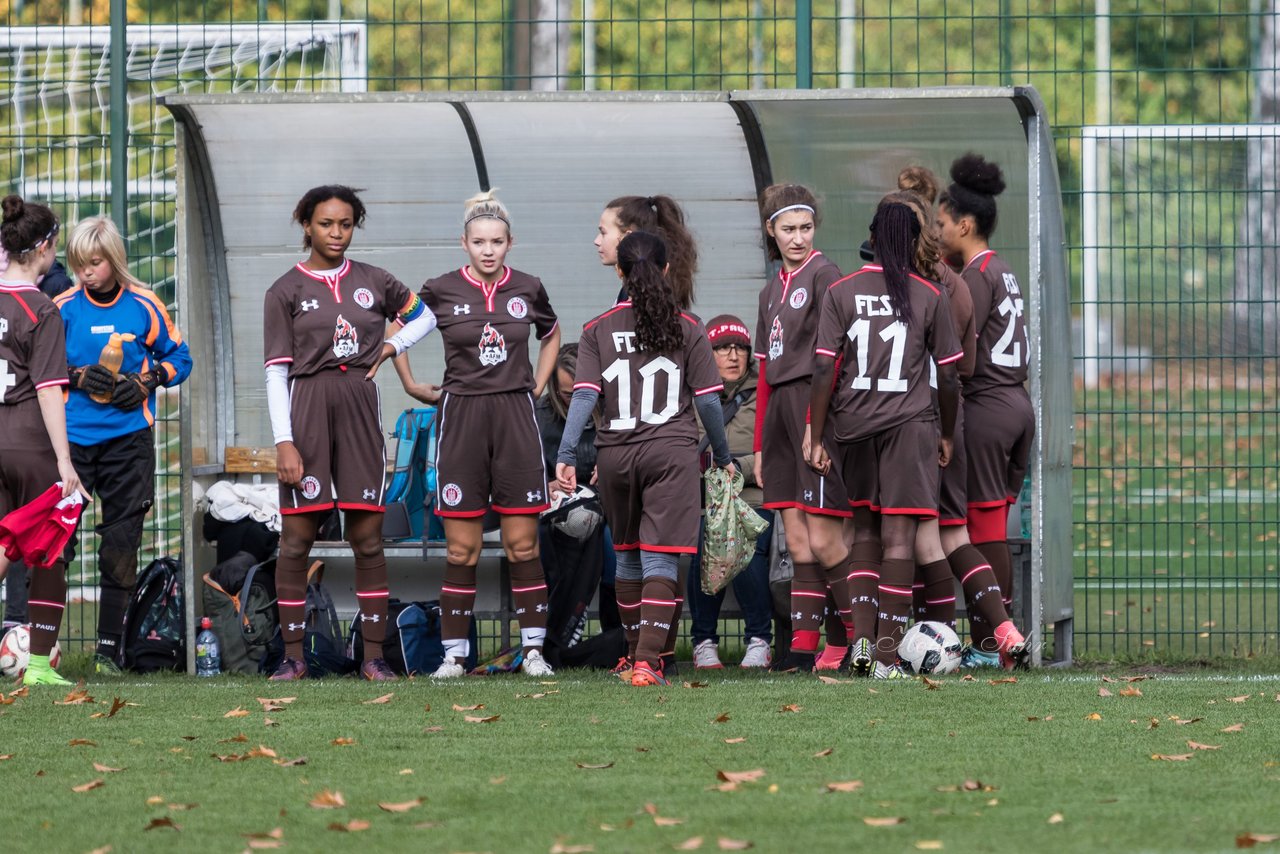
(577, 515)
(930, 647)
(15, 652)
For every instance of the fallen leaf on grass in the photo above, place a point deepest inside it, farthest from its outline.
(116, 705)
(89, 786)
(929, 844)
(163, 821)
(237, 712)
(269, 722)
(693, 843)
(21, 692)
(1183, 722)
(629, 823)
(1239, 699)
(497, 781)
(1008, 680)
(1093, 716)
(235, 739)
(826, 752)
(105, 769)
(589, 767)
(106, 849)
(261, 752)
(661, 821)
(1103, 692)
(265, 844)
(723, 787)
(1195, 745)
(477, 707)
(886, 821)
(722, 718)
(1248, 840)
(1175, 757)
(562, 848)
(291, 763)
(831, 680)
(1136, 678)
(740, 776)
(328, 800)
(78, 696)
(181, 807)
(726, 844)
(433, 729)
(968, 677)
(6, 701)
(476, 719)
(737, 740)
(931, 684)
(401, 807)
(354, 826)
(791, 707)
(1056, 818)
(343, 741)
(1234, 728)
(695, 684)
(845, 786)
(1130, 692)
(379, 701)
(81, 742)
(275, 701)
(4, 756)
(154, 800)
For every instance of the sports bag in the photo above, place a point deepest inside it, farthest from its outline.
(413, 483)
(412, 645)
(732, 528)
(240, 600)
(155, 625)
(322, 641)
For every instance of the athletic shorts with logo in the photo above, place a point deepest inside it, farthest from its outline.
(788, 479)
(337, 429)
(652, 494)
(1001, 428)
(489, 453)
(895, 471)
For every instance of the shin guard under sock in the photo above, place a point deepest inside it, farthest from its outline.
(997, 554)
(895, 607)
(839, 601)
(939, 593)
(291, 599)
(657, 607)
(457, 602)
(372, 596)
(864, 577)
(808, 601)
(529, 590)
(629, 591)
(981, 594)
(45, 603)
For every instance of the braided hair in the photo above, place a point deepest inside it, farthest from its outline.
(895, 231)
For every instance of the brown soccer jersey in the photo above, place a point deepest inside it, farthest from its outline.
(485, 328)
(787, 322)
(646, 395)
(884, 380)
(1001, 328)
(33, 351)
(313, 322)
(962, 313)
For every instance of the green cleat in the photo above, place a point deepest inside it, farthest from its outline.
(43, 675)
(104, 666)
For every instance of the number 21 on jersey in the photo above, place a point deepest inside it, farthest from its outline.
(619, 372)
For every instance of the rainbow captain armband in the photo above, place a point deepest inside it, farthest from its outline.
(413, 310)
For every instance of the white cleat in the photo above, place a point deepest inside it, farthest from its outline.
(535, 665)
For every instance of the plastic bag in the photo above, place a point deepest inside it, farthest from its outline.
(732, 529)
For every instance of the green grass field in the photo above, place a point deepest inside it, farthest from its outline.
(583, 763)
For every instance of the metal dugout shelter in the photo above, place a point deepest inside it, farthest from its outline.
(556, 158)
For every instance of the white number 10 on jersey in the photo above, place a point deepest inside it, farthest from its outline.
(620, 372)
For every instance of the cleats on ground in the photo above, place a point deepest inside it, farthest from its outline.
(706, 656)
(289, 670)
(377, 670)
(758, 654)
(972, 657)
(535, 665)
(795, 662)
(623, 669)
(643, 674)
(449, 670)
(831, 658)
(860, 661)
(104, 666)
(43, 676)
(890, 671)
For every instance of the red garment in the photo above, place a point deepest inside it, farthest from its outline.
(38, 532)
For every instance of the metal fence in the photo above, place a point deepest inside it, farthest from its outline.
(1162, 112)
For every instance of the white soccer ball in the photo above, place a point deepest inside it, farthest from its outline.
(15, 652)
(930, 648)
(575, 515)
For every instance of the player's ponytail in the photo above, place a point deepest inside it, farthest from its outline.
(642, 257)
(895, 230)
(975, 185)
(485, 206)
(26, 226)
(663, 216)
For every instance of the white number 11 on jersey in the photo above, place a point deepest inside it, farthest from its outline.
(896, 333)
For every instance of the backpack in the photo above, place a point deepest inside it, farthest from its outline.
(413, 483)
(155, 625)
(322, 641)
(247, 622)
(412, 645)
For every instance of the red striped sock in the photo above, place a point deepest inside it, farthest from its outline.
(895, 607)
(291, 599)
(457, 602)
(372, 594)
(657, 607)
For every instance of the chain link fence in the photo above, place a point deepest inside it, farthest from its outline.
(1161, 111)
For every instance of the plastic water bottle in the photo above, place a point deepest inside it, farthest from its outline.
(208, 654)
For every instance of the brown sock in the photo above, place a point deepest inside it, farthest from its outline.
(837, 577)
(46, 600)
(628, 592)
(291, 599)
(529, 590)
(895, 607)
(808, 600)
(372, 595)
(673, 634)
(997, 554)
(834, 625)
(981, 595)
(457, 602)
(938, 593)
(657, 606)
(864, 576)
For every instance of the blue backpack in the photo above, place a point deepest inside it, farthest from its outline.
(413, 483)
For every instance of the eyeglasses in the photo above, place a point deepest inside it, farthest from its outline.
(723, 348)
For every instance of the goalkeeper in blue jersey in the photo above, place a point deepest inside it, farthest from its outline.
(113, 442)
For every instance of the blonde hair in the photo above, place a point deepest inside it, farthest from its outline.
(98, 236)
(483, 205)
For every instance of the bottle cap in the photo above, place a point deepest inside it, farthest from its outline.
(206, 623)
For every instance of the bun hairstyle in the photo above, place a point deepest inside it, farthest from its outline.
(312, 198)
(918, 187)
(662, 216)
(920, 181)
(975, 185)
(26, 225)
(777, 199)
(642, 255)
(895, 233)
(485, 206)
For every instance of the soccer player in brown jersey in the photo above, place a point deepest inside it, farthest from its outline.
(1000, 419)
(887, 320)
(653, 365)
(35, 452)
(490, 449)
(663, 216)
(943, 549)
(813, 505)
(324, 324)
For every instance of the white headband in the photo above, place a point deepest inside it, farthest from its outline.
(781, 211)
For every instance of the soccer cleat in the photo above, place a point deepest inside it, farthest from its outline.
(377, 670)
(972, 657)
(860, 661)
(623, 669)
(795, 662)
(104, 666)
(758, 655)
(535, 665)
(643, 675)
(890, 671)
(289, 670)
(1014, 652)
(449, 670)
(36, 675)
(831, 658)
(706, 656)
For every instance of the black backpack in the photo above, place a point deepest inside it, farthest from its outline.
(322, 640)
(155, 626)
(412, 645)
(240, 599)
